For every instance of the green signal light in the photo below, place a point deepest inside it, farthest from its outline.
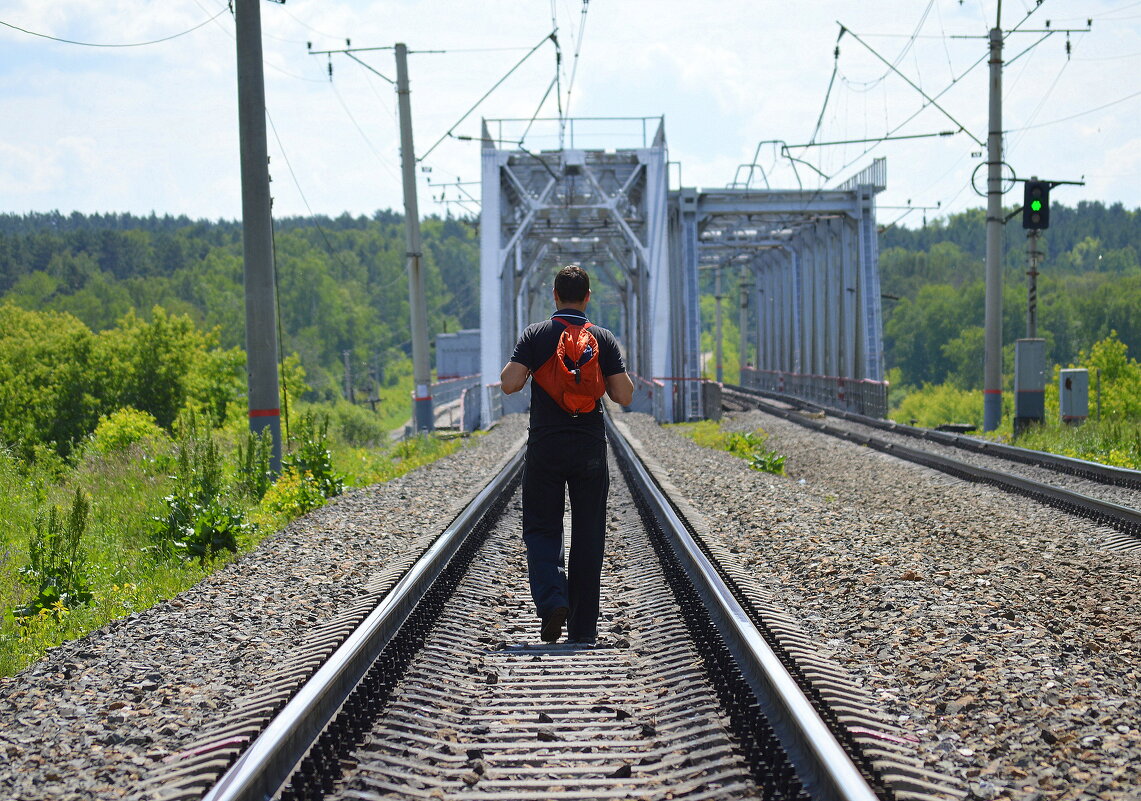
(1036, 205)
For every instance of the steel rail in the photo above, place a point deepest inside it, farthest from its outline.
(264, 767)
(1121, 517)
(825, 769)
(1082, 468)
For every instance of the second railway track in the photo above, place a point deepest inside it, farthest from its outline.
(684, 696)
(1110, 496)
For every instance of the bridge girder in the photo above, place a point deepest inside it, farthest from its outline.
(603, 209)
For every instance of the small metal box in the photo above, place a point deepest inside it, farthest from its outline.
(1073, 394)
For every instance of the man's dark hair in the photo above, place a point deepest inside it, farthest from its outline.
(572, 283)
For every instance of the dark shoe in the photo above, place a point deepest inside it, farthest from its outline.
(553, 624)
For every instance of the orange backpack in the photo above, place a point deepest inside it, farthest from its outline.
(572, 376)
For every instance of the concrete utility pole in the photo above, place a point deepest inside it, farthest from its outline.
(257, 232)
(422, 418)
(992, 364)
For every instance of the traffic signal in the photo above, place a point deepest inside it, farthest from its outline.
(1036, 205)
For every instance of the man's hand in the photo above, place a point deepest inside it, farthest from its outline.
(620, 388)
(514, 377)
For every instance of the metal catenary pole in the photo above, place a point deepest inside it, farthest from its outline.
(418, 308)
(257, 231)
(1035, 256)
(718, 296)
(745, 287)
(992, 365)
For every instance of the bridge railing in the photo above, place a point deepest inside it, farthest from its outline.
(449, 390)
(649, 397)
(455, 402)
(850, 394)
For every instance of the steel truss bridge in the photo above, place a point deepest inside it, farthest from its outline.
(806, 262)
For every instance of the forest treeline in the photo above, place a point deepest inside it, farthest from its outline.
(932, 279)
(343, 287)
(342, 283)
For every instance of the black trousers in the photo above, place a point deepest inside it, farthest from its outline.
(577, 464)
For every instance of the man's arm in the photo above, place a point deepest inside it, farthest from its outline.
(514, 377)
(620, 389)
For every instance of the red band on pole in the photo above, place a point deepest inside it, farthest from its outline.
(992, 391)
(265, 412)
(426, 397)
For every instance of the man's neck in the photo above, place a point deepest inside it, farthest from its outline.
(562, 305)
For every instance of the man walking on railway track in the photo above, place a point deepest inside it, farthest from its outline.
(566, 448)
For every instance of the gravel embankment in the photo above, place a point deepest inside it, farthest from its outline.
(1093, 489)
(1000, 633)
(94, 716)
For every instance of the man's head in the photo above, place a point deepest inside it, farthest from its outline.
(572, 285)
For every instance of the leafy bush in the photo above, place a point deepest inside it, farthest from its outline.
(125, 427)
(1120, 377)
(310, 457)
(57, 566)
(292, 495)
(254, 474)
(198, 522)
(358, 425)
(1111, 441)
(57, 378)
(935, 405)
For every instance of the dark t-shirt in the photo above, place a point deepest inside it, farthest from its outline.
(535, 346)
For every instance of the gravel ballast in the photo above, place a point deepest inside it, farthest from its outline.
(1000, 633)
(95, 716)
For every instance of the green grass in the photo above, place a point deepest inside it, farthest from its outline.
(748, 445)
(1112, 442)
(126, 488)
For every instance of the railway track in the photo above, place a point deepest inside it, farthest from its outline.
(435, 685)
(1108, 495)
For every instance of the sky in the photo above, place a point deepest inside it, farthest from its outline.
(153, 128)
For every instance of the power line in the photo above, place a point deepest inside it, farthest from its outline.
(577, 48)
(328, 245)
(831, 81)
(868, 85)
(930, 100)
(1075, 116)
(518, 64)
(98, 44)
(364, 136)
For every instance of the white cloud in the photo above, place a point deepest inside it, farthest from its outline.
(162, 121)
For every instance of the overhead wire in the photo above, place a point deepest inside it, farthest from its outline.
(577, 48)
(831, 83)
(869, 85)
(1041, 104)
(361, 131)
(118, 45)
(558, 63)
(1079, 114)
(301, 192)
(486, 94)
(267, 62)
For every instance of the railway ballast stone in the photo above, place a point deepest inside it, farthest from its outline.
(92, 718)
(1001, 634)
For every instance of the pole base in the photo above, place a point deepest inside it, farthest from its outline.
(992, 410)
(424, 415)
